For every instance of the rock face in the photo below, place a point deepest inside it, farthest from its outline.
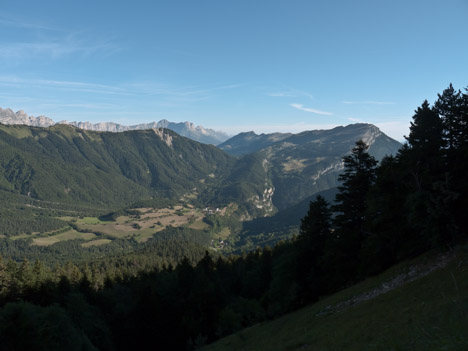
(7, 116)
(198, 133)
(186, 129)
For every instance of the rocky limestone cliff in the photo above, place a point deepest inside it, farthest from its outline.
(186, 129)
(7, 116)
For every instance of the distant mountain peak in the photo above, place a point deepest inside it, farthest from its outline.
(249, 142)
(186, 129)
(7, 116)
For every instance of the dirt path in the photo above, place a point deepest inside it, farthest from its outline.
(415, 272)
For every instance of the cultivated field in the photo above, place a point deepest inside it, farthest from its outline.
(140, 224)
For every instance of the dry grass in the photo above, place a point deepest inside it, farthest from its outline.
(199, 225)
(70, 235)
(293, 165)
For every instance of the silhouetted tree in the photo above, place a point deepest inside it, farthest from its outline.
(315, 231)
(390, 237)
(351, 204)
(450, 108)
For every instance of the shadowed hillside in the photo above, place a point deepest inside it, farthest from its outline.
(418, 305)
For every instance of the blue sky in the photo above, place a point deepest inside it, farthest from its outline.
(232, 65)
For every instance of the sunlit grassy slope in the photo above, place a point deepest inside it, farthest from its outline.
(428, 313)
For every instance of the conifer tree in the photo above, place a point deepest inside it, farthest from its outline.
(423, 157)
(452, 107)
(426, 129)
(351, 204)
(357, 178)
(314, 234)
(316, 224)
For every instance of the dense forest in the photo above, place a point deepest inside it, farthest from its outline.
(383, 213)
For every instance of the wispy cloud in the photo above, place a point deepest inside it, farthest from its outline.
(291, 93)
(368, 102)
(282, 94)
(81, 106)
(53, 49)
(131, 89)
(311, 110)
(63, 85)
(22, 23)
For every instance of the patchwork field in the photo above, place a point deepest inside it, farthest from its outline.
(140, 224)
(145, 224)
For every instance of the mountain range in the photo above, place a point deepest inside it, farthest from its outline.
(187, 129)
(63, 164)
(96, 168)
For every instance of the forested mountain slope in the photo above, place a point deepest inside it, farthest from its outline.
(306, 163)
(248, 142)
(66, 164)
(77, 170)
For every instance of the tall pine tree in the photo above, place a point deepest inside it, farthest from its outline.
(351, 204)
(311, 245)
(357, 178)
(452, 107)
(424, 155)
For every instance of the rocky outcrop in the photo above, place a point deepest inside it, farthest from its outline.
(186, 129)
(7, 116)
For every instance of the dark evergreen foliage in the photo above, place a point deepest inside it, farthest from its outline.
(351, 207)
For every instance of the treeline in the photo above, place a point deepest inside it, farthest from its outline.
(410, 203)
(14, 222)
(166, 248)
(21, 214)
